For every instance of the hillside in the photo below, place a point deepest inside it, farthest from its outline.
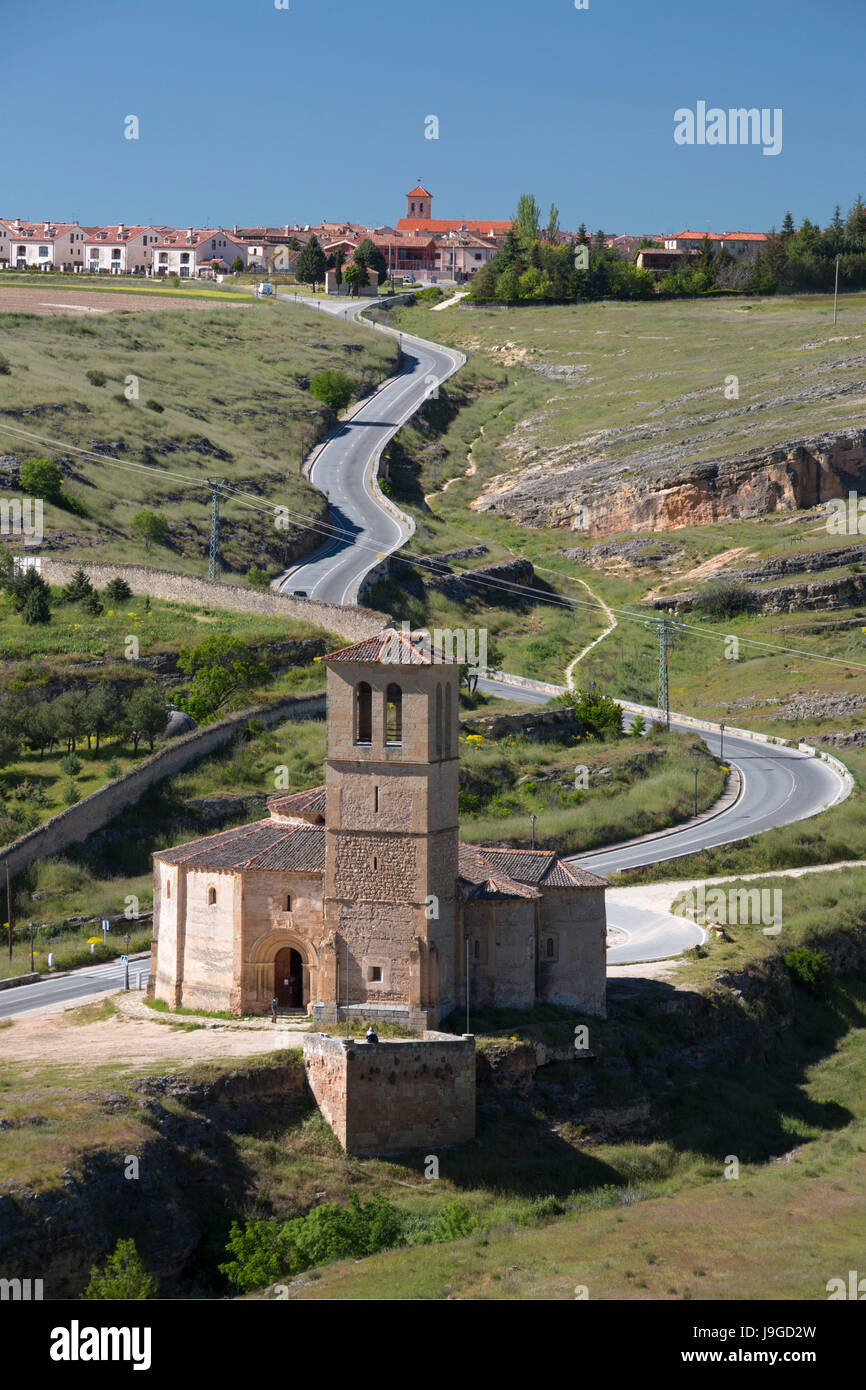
(222, 393)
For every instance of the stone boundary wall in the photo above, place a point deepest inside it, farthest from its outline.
(386, 1097)
(96, 810)
(352, 624)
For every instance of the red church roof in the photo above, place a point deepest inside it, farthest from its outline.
(452, 224)
(418, 192)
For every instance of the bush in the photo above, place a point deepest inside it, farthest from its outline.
(5, 369)
(113, 770)
(123, 1276)
(258, 578)
(155, 405)
(96, 378)
(724, 598)
(78, 589)
(809, 969)
(70, 793)
(70, 764)
(149, 527)
(93, 605)
(36, 608)
(333, 388)
(41, 478)
(117, 590)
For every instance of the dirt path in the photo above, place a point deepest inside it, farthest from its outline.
(612, 623)
(469, 472)
(702, 571)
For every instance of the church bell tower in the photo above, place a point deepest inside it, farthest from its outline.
(391, 831)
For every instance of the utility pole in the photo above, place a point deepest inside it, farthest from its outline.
(215, 487)
(695, 771)
(467, 982)
(664, 627)
(126, 962)
(533, 819)
(836, 292)
(721, 743)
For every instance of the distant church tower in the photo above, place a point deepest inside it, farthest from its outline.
(419, 202)
(391, 831)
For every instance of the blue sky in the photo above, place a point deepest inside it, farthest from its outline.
(257, 115)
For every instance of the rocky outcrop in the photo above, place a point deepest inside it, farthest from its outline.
(803, 562)
(489, 583)
(816, 594)
(599, 496)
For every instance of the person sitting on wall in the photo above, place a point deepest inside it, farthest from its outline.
(371, 1035)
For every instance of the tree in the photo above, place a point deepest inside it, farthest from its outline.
(215, 265)
(332, 387)
(145, 715)
(32, 599)
(223, 671)
(551, 231)
(123, 1276)
(339, 262)
(103, 713)
(355, 276)
(117, 590)
(78, 588)
(237, 264)
(508, 285)
(41, 478)
(370, 255)
(149, 527)
(597, 714)
(258, 578)
(528, 219)
(312, 263)
(788, 228)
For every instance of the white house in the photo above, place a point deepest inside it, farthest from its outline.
(189, 253)
(740, 245)
(46, 245)
(122, 250)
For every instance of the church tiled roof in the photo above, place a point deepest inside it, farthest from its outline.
(391, 647)
(539, 866)
(308, 805)
(299, 847)
(266, 844)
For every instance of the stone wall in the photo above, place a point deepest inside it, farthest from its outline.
(349, 623)
(77, 822)
(385, 1097)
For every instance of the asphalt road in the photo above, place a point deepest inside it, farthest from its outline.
(66, 989)
(780, 785)
(343, 472)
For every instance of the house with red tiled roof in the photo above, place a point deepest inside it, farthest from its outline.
(46, 245)
(356, 899)
(191, 252)
(122, 250)
(740, 245)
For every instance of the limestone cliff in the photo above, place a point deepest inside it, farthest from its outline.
(596, 496)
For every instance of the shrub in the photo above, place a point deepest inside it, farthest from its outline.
(123, 1276)
(333, 388)
(258, 578)
(36, 608)
(5, 369)
(78, 589)
(149, 527)
(96, 378)
(93, 605)
(113, 770)
(70, 793)
(809, 969)
(155, 405)
(724, 598)
(70, 764)
(41, 478)
(117, 590)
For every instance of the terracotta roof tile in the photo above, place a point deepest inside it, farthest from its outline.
(391, 647)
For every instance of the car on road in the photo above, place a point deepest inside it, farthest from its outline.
(265, 288)
(299, 593)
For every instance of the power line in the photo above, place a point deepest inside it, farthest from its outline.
(331, 532)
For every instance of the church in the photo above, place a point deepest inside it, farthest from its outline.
(357, 898)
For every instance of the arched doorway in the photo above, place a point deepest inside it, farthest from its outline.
(289, 979)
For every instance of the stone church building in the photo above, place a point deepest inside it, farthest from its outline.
(360, 894)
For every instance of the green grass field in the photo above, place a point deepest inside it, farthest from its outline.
(235, 404)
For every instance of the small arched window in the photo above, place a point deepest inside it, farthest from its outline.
(393, 714)
(211, 897)
(288, 902)
(550, 947)
(363, 713)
